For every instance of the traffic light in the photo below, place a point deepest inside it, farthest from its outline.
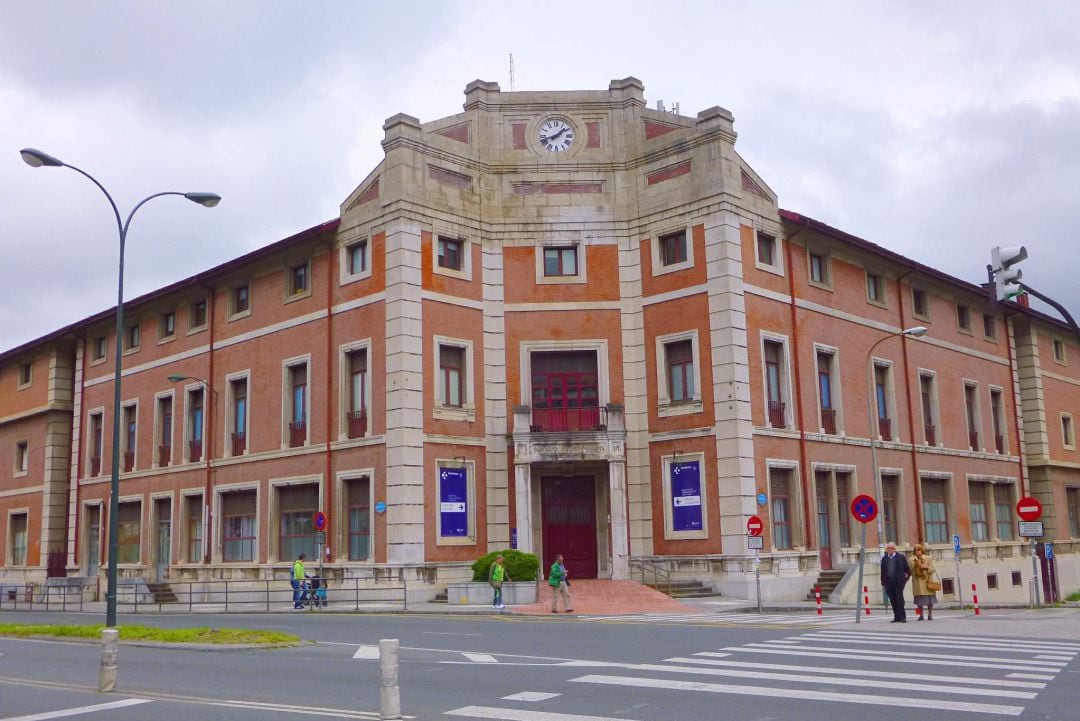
(1006, 277)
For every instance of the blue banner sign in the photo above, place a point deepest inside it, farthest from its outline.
(686, 496)
(453, 502)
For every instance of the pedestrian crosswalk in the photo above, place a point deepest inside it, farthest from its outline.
(951, 674)
(741, 619)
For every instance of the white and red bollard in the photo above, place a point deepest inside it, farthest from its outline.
(817, 598)
(866, 599)
(975, 599)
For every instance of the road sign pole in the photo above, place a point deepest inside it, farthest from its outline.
(757, 578)
(1035, 575)
(862, 557)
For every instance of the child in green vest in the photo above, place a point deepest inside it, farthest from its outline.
(496, 575)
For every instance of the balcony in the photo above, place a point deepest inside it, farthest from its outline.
(931, 434)
(999, 443)
(195, 451)
(777, 416)
(545, 435)
(357, 423)
(239, 444)
(297, 434)
(129, 461)
(828, 420)
(556, 420)
(95, 466)
(973, 440)
(885, 428)
(164, 455)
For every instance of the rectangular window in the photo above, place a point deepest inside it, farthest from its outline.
(132, 337)
(971, 414)
(774, 378)
(17, 538)
(168, 324)
(1059, 350)
(298, 279)
(449, 253)
(195, 424)
(25, 370)
(238, 526)
(766, 249)
(565, 391)
(358, 496)
(843, 507)
(890, 500)
(780, 507)
(825, 362)
(22, 457)
(673, 248)
(989, 327)
(980, 527)
(680, 362)
(1067, 438)
(560, 261)
(238, 390)
(198, 314)
(1072, 502)
(997, 417)
(129, 536)
(451, 375)
(97, 422)
(297, 506)
(819, 268)
(298, 404)
(927, 393)
(875, 288)
(1003, 510)
(935, 511)
(881, 395)
(193, 513)
(356, 257)
(963, 317)
(165, 430)
(100, 348)
(241, 299)
(130, 426)
(357, 402)
(920, 302)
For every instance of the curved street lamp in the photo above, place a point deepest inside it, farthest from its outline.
(37, 159)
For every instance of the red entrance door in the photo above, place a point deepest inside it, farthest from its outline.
(568, 505)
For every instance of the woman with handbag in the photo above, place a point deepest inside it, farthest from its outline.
(926, 583)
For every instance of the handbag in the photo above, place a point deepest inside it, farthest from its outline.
(933, 583)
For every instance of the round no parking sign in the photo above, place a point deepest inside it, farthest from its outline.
(864, 508)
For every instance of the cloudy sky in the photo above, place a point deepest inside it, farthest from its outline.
(936, 129)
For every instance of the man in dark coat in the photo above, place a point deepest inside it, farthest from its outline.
(895, 572)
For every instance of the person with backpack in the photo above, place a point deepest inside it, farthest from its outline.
(297, 579)
(559, 585)
(496, 575)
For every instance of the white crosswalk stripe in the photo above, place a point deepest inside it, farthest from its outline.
(741, 619)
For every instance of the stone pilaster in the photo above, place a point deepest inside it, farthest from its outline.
(76, 456)
(523, 498)
(495, 408)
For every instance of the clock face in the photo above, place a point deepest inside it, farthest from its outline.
(556, 135)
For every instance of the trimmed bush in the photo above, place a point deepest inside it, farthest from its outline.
(519, 566)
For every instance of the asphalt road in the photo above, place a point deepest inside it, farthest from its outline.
(1017, 664)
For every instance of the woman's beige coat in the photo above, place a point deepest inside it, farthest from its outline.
(922, 569)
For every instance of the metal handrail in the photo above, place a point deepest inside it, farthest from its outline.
(651, 567)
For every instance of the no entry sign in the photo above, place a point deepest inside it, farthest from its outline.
(864, 508)
(754, 526)
(1029, 509)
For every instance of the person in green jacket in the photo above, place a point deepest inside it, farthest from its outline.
(297, 581)
(496, 575)
(559, 585)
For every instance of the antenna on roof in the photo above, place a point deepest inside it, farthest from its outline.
(511, 72)
(675, 110)
(660, 105)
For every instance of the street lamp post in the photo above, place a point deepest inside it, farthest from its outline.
(914, 332)
(36, 159)
(206, 451)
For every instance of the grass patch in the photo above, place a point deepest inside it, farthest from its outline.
(203, 634)
(1074, 596)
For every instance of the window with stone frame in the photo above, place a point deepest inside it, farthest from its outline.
(238, 526)
(780, 508)
(978, 512)
(673, 248)
(452, 375)
(680, 364)
(560, 261)
(296, 520)
(17, 534)
(450, 253)
(129, 537)
(358, 497)
(1003, 510)
(935, 510)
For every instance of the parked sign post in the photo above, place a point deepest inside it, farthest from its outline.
(755, 542)
(956, 557)
(1030, 510)
(865, 509)
(320, 538)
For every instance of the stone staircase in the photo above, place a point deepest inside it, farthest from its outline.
(162, 592)
(683, 589)
(827, 581)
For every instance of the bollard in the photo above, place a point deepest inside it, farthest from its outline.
(110, 650)
(817, 598)
(390, 694)
(975, 599)
(866, 599)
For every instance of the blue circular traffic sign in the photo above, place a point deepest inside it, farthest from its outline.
(380, 507)
(320, 520)
(864, 508)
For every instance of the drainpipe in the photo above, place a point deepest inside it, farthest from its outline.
(911, 414)
(208, 400)
(796, 365)
(1012, 396)
(328, 485)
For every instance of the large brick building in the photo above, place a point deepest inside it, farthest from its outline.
(559, 321)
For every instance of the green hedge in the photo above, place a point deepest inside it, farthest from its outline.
(519, 566)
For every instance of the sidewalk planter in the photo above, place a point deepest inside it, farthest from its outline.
(476, 593)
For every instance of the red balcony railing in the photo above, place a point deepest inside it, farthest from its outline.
(129, 461)
(95, 466)
(885, 428)
(777, 417)
(164, 455)
(357, 423)
(239, 444)
(828, 420)
(973, 440)
(931, 434)
(297, 433)
(551, 420)
(999, 443)
(195, 451)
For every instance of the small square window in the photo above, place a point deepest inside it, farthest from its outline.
(875, 288)
(819, 268)
(989, 327)
(298, 279)
(991, 581)
(1017, 578)
(22, 457)
(673, 248)
(99, 348)
(766, 249)
(198, 314)
(948, 587)
(963, 317)
(450, 255)
(560, 261)
(356, 257)
(920, 302)
(131, 337)
(241, 299)
(24, 374)
(168, 324)
(1059, 350)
